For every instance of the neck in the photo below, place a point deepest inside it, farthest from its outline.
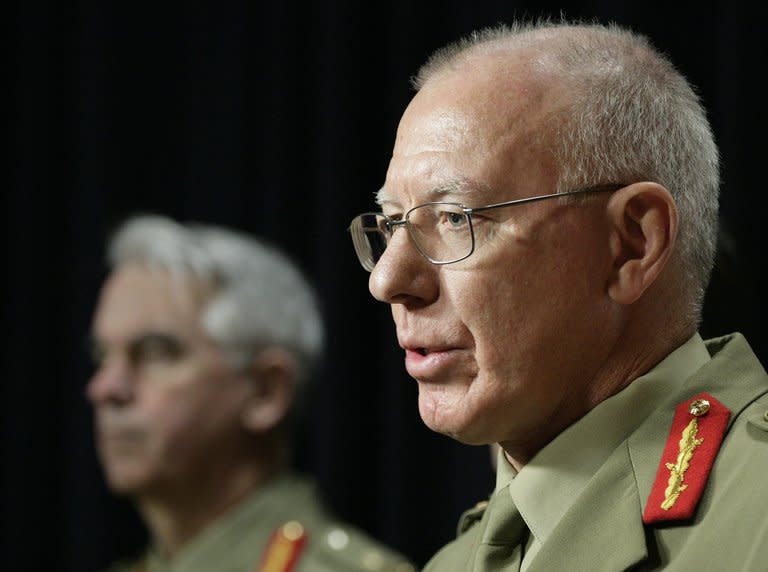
(631, 354)
(179, 512)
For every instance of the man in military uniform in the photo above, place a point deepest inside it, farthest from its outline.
(548, 232)
(205, 340)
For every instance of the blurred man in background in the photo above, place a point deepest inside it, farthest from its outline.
(205, 340)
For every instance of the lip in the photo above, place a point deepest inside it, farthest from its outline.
(430, 364)
(121, 437)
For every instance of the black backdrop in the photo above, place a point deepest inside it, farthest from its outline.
(276, 118)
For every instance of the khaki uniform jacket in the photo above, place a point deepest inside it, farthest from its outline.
(242, 539)
(604, 531)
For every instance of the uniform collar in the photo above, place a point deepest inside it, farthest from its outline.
(546, 488)
(260, 509)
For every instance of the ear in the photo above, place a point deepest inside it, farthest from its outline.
(272, 374)
(644, 222)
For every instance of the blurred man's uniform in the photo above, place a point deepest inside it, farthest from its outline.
(279, 528)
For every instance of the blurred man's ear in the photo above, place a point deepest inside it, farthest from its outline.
(644, 225)
(272, 374)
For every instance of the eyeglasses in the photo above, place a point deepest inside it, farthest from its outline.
(442, 232)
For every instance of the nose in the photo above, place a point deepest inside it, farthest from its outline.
(111, 383)
(402, 275)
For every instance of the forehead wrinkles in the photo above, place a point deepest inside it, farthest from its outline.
(432, 134)
(480, 121)
(411, 174)
(433, 124)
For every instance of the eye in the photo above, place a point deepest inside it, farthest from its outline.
(453, 219)
(456, 219)
(154, 348)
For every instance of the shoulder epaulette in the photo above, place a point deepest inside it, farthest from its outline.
(694, 441)
(348, 548)
(284, 548)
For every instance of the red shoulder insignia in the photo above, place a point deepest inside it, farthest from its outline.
(694, 440)
(284, 548)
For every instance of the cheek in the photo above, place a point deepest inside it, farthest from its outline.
(180, 411)
(491, 305)
(172, 421)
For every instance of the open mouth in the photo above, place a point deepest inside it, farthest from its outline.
(433, 363)
(422, 351)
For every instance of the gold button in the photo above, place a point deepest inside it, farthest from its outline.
(698, 407)
(293, 530)
(338, 539)
(765, 415)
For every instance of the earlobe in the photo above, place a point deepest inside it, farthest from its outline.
(272, 374)
(644, 225)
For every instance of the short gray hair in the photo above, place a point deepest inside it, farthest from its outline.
(632, 116)
(260, 297)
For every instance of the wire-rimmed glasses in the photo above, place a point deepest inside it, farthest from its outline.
(441, 231)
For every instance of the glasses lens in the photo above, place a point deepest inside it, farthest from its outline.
(369, 235)
(442, 231)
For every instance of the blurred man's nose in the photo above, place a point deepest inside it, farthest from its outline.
(112, 382)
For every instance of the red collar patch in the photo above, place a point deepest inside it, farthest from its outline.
(694, 440)
(284, 548)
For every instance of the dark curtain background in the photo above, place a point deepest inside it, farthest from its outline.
(275, 118)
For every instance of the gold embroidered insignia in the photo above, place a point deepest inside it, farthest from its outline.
(675, 485)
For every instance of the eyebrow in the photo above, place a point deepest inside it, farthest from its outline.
(461, 187)
(157, 337)
(170, 342)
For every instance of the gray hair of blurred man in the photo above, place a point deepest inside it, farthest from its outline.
(260, 297)
(631, 116)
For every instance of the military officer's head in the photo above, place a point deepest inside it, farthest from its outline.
(547, 230)
(203, 339)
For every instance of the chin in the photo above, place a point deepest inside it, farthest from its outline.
(126, 480)
(454, 424)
